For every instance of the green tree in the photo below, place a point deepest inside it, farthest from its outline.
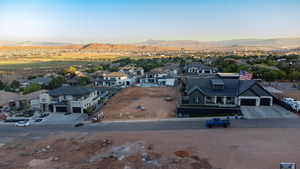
(15, 84)
(56, 82)
(84, 81)
(294, 76)
(32, 88)
(2, 85)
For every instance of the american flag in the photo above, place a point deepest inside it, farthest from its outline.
(244, 75)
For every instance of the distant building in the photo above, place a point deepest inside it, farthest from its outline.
(198, 68)
(132, 70)
(114, 79)
(160, 76)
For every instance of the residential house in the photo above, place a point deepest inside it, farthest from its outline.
(132, 70)
(198, 68)
(68, 99)
(223, 94)
(114, 79)
(226, 92)
(39, 80)
(163, 76)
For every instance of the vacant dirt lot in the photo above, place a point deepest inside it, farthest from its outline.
(141, 103)
(189, 149)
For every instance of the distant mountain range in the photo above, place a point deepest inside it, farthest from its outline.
(32, 43)
(279, 43)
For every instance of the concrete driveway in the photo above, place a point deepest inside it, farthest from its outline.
(60, 118)
(262, 112)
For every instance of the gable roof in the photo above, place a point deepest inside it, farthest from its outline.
(70, 90)
(232, 87)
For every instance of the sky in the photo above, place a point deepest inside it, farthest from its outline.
(122, 21)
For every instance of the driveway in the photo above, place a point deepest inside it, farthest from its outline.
(60, 118)
(262, 112)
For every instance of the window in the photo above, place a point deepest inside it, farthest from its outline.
(209, 100)
(220, 100)
(196, 100)
(229, 100)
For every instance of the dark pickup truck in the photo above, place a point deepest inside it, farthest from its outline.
(216, 122)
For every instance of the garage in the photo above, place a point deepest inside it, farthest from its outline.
(76, 109)
(62, 109)
(248, 102)
(265, 101)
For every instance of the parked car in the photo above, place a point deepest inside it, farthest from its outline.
(38, 120)
(22, 124)
(78, 124)
(217, 122)
(44, 115)
(296, 105)
(288, 101)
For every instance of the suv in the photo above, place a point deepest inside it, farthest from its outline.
(217, 122)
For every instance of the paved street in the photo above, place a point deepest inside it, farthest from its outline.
(184, 124)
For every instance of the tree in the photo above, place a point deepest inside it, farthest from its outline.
(294, 76)
(15, 84)
(71, 70)
(2, 85)
(56, 82)
(84, 81)
(32, 88)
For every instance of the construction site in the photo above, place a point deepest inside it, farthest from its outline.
(142, 103)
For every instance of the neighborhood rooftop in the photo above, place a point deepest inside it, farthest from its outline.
(70, 90)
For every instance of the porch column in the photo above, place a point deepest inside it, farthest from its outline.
(215, 99)
(224, 99)
(54, 109)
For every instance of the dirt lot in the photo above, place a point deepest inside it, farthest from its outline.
(130, 102)
(189, 149)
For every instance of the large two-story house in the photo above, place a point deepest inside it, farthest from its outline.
(68, 99)
(225, 94)
(162, 76)
(114, 79)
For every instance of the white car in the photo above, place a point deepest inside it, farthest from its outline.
(288, 100)
(296, 105)
(22, 124)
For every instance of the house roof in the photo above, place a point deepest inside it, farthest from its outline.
(115, 74)
(232, 87)
(41, 80)
(70, 90)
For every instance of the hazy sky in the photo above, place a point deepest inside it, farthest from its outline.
(138, 20)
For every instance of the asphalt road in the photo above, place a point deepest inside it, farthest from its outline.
(11, 130)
